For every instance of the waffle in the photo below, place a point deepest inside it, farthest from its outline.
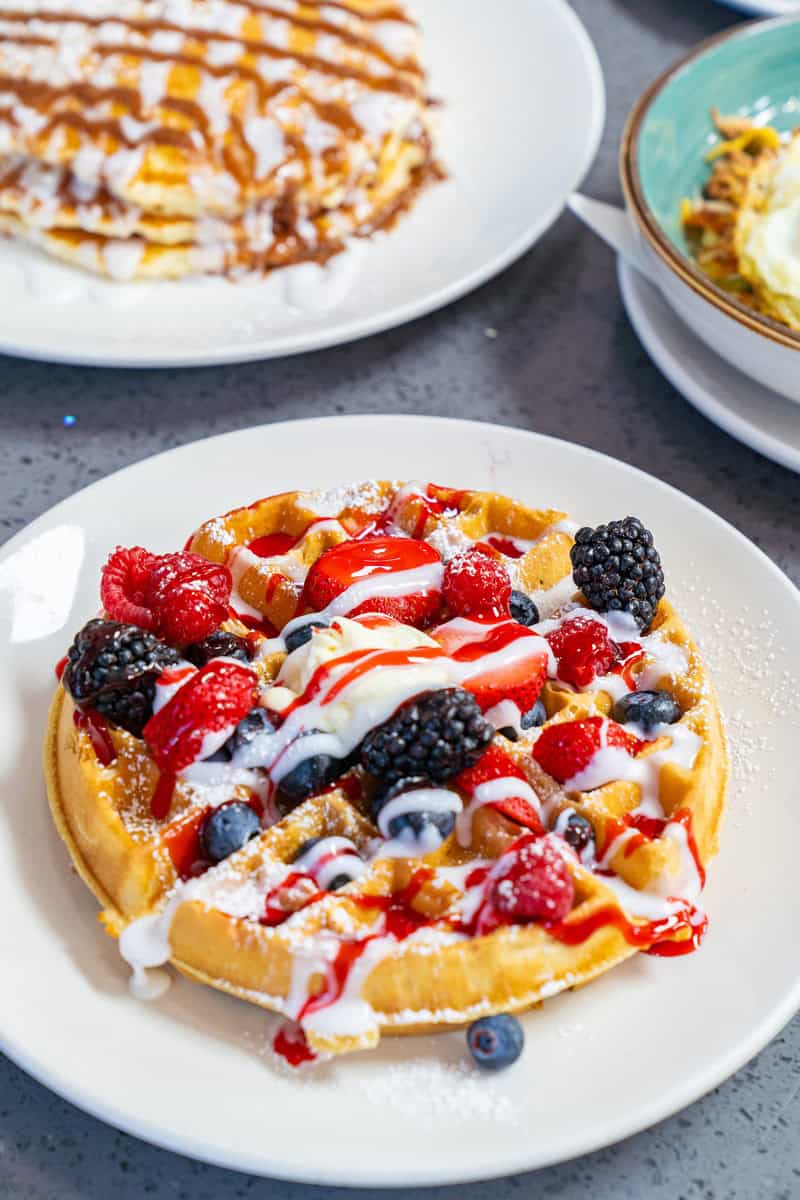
(155, 139)
(410, 941)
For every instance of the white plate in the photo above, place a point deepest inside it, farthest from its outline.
(745, 409)
(518, 94)
(191, 1072)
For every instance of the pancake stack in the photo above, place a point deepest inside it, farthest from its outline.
(153, 139)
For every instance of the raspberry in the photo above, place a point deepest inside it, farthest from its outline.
(349, 563)
(495, 764)
(188, 595)
(475, 584)
(583, 650)
(566, 749)
(213, 700)
(123, 586)
(537, 885)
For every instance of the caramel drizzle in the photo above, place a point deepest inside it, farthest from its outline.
(312, 62)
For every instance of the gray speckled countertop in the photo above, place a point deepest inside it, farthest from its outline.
(565, 362)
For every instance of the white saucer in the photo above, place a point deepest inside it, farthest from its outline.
(745, 409)
(507, 86)
(190, 1072)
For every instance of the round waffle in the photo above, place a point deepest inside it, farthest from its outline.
(369, 930)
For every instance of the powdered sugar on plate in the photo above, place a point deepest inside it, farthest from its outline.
(432, 1090)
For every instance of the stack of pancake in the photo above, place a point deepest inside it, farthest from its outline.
(162, 138)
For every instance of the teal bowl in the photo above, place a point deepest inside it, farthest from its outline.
(753, 71)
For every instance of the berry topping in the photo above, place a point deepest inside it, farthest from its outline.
(217, 645)
(536, 886)
(123, 586)
(311, 774)
(534, 716)
(182, 597)
(113, 669)
(495, 1042)
(523, 609)
(413, 816)
(350, 563)
(496, 764)
(213, 700)
(616, 566)
(509, 733)
(257, 721)
(332, 862)
(647, 709)
(476, 585)
(576, 831)
(583, 650)
(189, 596)
(227, 829)
(437, 735)
(298, 637)
(565, 749)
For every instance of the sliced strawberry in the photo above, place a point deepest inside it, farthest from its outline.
(495, 764)
(188, 595)
(536, 886)
(349, 563)
(510, 661)
(123, 586)
(475, 584)
(566, 749)
(214, 699)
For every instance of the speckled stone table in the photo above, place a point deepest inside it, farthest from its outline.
(564, 362)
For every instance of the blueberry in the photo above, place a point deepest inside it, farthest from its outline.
(417, 820)
(257, 721)
(227, 829)
(534, 716)
(647, 709)
(509, 733)
(301, 635)
(578, 832)
(523, 609)
(495, 1042)
(218, 645)
(339, 881)
(311, 775)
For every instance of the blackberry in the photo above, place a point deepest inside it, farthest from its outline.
(616, 566)
(437, 735)
(113, 668)
(217, 645)
(523, 609)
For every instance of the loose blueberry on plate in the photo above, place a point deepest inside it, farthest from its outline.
(534, 716)
(647, 709)
(495, 1042)
(523, 609)
(298, 637)
(227, 829)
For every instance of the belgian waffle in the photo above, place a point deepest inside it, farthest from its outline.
(156, 139)
(328, 915)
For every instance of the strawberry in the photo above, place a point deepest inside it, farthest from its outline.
(123, 586)
(517, 674)
(536, 886)
(349, 563)
(566, 749)
(476, 584)
(583, 650)
(189, 596)
(213, 700)
(495, 764)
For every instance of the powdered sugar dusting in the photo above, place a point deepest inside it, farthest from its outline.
(367, 497)
(429, 1089)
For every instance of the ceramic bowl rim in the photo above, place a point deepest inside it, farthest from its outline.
(678, 262)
